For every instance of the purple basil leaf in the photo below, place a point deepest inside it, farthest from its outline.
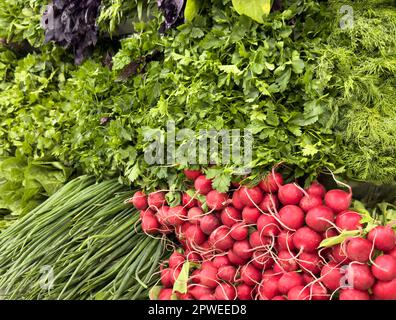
(72, 25)
(172, 10)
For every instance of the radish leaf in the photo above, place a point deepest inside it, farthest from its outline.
(181, 281)
(329, 242)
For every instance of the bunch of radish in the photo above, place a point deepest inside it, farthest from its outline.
(264, 242)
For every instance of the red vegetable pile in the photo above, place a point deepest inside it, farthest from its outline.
(264, 242)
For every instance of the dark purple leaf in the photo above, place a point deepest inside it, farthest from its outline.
(173, 12)
(72, 25)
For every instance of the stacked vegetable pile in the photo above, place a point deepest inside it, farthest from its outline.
(270, 241)
(85, 82)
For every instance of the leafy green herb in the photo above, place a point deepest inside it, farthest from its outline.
(24, 184)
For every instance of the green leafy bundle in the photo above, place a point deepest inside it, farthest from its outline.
(285, 79)
(24, 185)
(358, 67)
(82, 243)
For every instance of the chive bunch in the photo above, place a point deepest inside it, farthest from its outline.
(82, 243)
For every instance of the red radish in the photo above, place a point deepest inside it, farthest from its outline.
(292, 217)
(271, 182)
(243, 249)
(169, 276)
(250, 197)
(194, 215)
(139, 200)
(250, 275)
(359, 276)
(195, 235)
(200, 204)
(269, 203)
(208, 264)
(329, 233)
(392, 252)
(225, 291)
(156, 199)
(150, 224)
(289, 280)
(250, 215)
(331, 276)
(316, 189)
(385, 238)
(353, 294)
(208, 276)
(309, 202)
(207, 297)
(268, 226)
(359, 249)
(268, 274)
(195, 278)
(319, 218)
(385, 290)
(308, 278)
(338, 200)
(278, 269)
(348, 220)
(279, 298)
(176, 260)
(181, 230)
(310, 262)
(209, 223)
(192, 174)
(220, 261)
(239, 231)
(176, 216)
(166, 277)
(205, 250)
(268, 288)
(188, 202)
(298, 293)
(203, 185)
(220, 239)
(216, 200)
(235, 259)
(262, 260)
(287, 261)
(306, 239)
(198, 291)
(384, 267)
(285, 240)
(184, 296)
(227, 273)
(257, 240)
(318, 291)
(162, 215)
(230, 215)
(244, 292)
(290, 194)
(166, 294)
(338, 254)
(236, 200)
(192, 256)
(146, 211)
(164, 229)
